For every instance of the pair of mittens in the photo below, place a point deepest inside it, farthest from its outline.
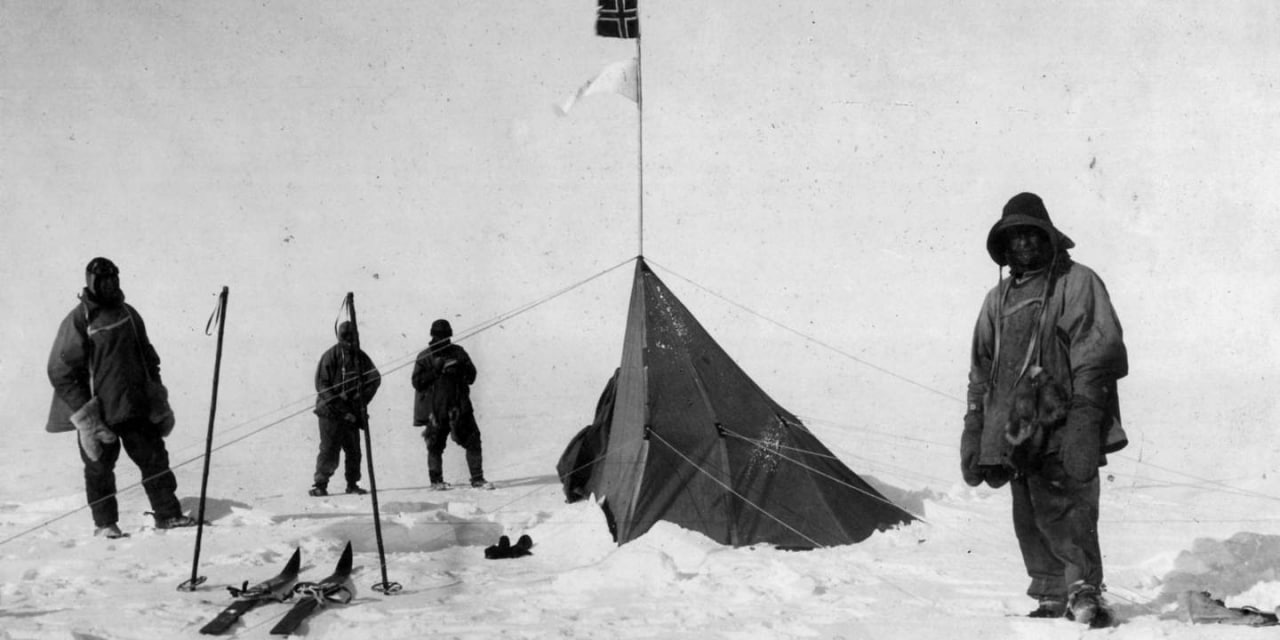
(504, 549)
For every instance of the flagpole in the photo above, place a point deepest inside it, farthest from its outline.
(640, 109)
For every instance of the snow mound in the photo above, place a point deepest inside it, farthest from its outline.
(1239, 564)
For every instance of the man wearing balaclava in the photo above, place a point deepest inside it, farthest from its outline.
(1043, 411)
(442, 379)
(106, 386)
(346, 380)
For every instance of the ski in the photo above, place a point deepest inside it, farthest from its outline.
(318, 594)
(277, 589)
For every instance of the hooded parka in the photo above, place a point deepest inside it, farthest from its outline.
(101, 350)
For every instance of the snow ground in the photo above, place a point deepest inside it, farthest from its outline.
(955, 572)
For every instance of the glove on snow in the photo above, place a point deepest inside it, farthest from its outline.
(1081, 439)
(92, 429)
(161, 412)
(504, 548)
(971, 448)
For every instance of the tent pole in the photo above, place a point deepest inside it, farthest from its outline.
(640, 110)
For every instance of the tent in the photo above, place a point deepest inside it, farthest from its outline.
(681, 434)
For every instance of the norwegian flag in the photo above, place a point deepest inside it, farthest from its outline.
(618, 19)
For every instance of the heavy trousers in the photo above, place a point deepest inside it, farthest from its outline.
(1055, 518)
(466, 434)
(142, 442)
(337, 437)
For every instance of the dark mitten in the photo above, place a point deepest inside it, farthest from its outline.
(352, 419)
(971, 449)
(522, 547)
(1081, 439)
(338, 407)
(499, 551)
(161, 412)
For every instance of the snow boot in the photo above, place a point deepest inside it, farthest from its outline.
(110, 532)
(1085, 606)
(1049, 608)
(175, 522)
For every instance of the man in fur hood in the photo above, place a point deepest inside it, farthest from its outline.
(1043, 411)
(106, 386)
(346, 381)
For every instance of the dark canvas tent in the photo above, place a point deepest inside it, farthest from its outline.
(682, 434)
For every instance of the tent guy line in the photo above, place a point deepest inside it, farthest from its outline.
(815, 543)
(399, 363)
(812, 339)
(744, 499)
(403, 361)
(395, 364)
(147, 479)
(775, 449)
(1205, 483)
(811, 421)
(306, 401)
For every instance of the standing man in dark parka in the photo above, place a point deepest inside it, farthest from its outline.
(106, 383)
(1043, 410)
(442, 379)
(346, 380)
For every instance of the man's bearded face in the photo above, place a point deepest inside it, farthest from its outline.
(1027, 249)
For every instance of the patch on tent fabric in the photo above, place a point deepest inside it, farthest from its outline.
(673, 320)
(768, 448)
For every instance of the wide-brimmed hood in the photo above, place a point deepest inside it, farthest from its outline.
(1024, 209)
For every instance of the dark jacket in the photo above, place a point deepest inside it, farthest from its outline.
(338, 379)
(111, 342)
(1081, 347)
(442, 378)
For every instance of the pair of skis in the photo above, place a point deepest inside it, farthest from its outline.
(282, 587)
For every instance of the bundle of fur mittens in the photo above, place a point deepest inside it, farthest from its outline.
(504, 549)
(92, 429)
(1039, 405)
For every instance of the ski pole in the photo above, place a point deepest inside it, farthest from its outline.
(362, 420)
(219, 316)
